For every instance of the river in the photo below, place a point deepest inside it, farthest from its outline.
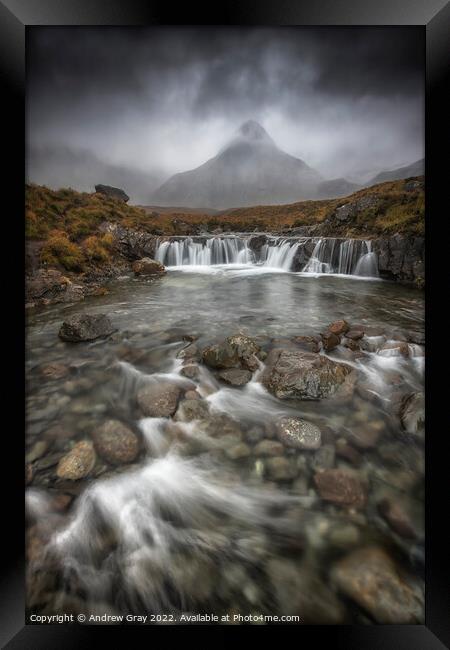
(190, 526)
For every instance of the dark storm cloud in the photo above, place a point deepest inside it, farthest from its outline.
(349, 101)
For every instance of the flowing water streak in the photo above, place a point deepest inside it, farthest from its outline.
(330, 255)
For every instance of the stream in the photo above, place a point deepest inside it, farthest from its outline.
(207, 519)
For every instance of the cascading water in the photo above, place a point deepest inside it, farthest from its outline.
(329, 255)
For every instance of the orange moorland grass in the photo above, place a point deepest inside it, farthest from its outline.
(68, 222)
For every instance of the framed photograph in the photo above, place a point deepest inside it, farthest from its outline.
(218, 366)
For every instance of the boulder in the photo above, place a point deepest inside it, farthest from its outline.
(78, 463)
(237, 351)
(116, 443)
(132, 244)
(147, 266)
(339, 327)
(371, 578)
(341, 487)
(330, 341)
(189, 352)
(191, 371)
(112, 192)
(294, 374)
(51, 286)
(298, 433)
(192, 409)
(86, 327)
(159, 400)
(354, 334)
(235, 376)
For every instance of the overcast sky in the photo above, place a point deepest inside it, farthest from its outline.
(348, 101)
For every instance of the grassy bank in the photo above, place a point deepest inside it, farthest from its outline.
(63, 226)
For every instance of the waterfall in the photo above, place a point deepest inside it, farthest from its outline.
(279, 255)
(344, 257)
(308, 255)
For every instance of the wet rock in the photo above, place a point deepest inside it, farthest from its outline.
(85, 327)
(324, 457)
(298, 433)
(238, 451)
(222, 425)
(299, 591)
(294, 374)
(395, 512)
(147, 266)
(346, 451)
(394, 349)
(54, 370)
(280, 468)
(412, 415)
(256, 242)
(268, 448)
(78, 463)
(330, 341)
(158, 400)
(116, 443)
(339, 327)
(189, 352)
(237, 351)
(308, 343)
(254, 435)
(351, 344)
(192, 394)
(370, 577)
(341, 487)
(354, 334)
(191, 409)
(50, 286)
(190, 371)
(37, 450)
(235, 376)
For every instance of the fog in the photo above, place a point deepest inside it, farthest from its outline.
(133, 106)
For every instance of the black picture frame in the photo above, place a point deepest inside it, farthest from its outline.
(15, 16)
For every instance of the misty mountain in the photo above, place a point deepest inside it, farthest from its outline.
(250, 170)
(414, 169)
(81, 170)
(335, 188)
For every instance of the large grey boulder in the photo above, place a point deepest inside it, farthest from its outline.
(295, 374)
(85, 327)
(112, 192)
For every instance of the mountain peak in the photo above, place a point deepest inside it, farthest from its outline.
(252, 130)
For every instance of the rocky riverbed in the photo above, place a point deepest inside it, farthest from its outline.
(231, 441)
